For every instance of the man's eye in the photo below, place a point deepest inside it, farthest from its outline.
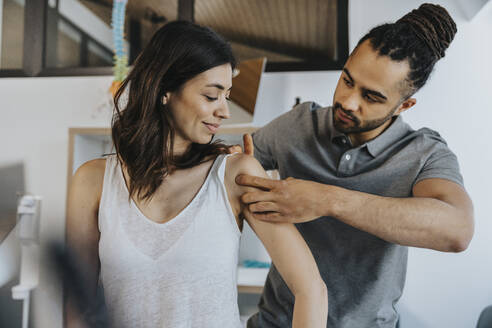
(210, 98)
(369, 98)
(347, 82)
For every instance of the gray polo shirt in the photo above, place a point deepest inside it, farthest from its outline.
(364, 274)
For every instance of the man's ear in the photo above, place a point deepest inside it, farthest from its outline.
(408, 103)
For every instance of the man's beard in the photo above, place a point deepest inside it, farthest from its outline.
(358, 127)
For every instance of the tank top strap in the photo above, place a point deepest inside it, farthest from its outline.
(219, 177)
(220, 167)
(111, 189)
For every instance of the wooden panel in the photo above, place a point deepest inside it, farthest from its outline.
(303, 29)
(250, 289)
(245, 85)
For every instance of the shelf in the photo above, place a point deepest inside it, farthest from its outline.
(251, 280)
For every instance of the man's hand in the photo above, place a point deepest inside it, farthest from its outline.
(291, 200)
(248, 146)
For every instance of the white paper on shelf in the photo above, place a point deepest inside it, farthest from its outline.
(251, 276)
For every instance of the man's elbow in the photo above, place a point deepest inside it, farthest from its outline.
(463, 236)
(460, 244)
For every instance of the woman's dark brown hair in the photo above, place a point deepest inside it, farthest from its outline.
(143, 131)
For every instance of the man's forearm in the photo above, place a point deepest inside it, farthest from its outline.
(413, 221)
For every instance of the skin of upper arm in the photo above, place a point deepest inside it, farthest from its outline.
(446, 191)
(450, 193)
(82, 232)
(287, 248)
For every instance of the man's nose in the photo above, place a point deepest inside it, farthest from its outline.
(350, 102)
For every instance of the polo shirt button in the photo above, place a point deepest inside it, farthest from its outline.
(344, 141)
(347, 157)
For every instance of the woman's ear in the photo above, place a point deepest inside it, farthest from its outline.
(165, 98)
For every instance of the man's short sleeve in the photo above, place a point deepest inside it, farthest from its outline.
(441, 162)
(263, 140)
(273, 140)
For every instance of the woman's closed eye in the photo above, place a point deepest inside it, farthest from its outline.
(210, 98)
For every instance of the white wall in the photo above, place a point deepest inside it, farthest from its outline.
(34, 121)
(450, 290)
(443, 290)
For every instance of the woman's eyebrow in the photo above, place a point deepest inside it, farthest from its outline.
(218, 86)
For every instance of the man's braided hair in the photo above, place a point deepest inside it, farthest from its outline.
(421, 37)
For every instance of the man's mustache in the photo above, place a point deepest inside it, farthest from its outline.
(346, 112)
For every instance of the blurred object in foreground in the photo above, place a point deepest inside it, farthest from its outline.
(72, 273)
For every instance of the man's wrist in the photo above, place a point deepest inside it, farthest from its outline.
(328, 195)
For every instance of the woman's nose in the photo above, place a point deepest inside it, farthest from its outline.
(223, 111)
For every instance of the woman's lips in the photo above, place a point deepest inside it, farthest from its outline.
(212, 127)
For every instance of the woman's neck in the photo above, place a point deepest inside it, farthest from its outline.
(180, 146)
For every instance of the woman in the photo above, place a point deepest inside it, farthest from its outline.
(160, 221)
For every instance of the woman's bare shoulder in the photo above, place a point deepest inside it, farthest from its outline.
(92, 169)
(241, 164)
(244, 164)
(89, 176)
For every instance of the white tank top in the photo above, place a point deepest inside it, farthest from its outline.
(182, 273)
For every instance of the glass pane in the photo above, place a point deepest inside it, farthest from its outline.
(67, 46)
(74, 40)
(98, 56)
(12, 33)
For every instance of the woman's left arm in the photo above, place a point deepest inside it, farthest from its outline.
(288, 250)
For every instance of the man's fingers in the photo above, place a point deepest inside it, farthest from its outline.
(257, 196)
(263, 207)
(269, 216)
(234, 149)
(249, 148)
(257, 182)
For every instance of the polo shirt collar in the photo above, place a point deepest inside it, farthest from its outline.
(392, 134)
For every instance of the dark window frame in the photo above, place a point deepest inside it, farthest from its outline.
(34, 52)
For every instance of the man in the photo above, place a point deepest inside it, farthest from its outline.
(361, 185)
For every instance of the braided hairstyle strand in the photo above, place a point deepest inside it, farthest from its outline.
(421, 37)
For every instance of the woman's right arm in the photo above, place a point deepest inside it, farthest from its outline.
(289, 252)
(82, 233)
